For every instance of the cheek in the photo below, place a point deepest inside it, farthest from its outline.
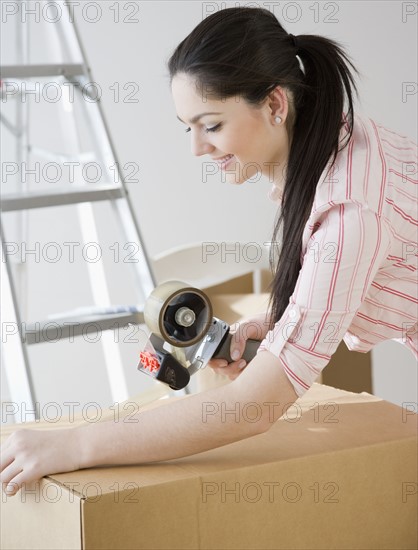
(237, 142)
(250, 141)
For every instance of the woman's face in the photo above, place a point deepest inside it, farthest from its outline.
(255, 141)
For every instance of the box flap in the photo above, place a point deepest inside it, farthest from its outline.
(325, 420)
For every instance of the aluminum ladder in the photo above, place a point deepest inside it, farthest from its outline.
(15, 342)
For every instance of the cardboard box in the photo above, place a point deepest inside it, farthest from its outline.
(338, 471)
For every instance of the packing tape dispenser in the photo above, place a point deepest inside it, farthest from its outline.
(184, 335)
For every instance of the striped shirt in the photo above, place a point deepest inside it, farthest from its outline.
(358, 280)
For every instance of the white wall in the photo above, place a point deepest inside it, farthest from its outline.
(173, 204)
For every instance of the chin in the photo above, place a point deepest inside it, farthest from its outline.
(249, 174)
(232, 177)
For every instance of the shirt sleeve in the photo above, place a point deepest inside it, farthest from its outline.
(343, 254)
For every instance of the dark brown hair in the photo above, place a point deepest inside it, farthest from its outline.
(245, 51)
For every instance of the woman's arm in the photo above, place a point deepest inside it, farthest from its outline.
(195, 424)
(181, 428)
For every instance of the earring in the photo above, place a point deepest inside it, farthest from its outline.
(278, 119)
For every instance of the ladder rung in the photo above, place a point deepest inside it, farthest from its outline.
(28, 71)
(59, 196)
(68, 327)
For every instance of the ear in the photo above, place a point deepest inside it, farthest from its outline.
(278, 103)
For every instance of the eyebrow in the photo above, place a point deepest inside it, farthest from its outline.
(197, 117)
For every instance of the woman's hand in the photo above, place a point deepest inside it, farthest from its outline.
(28, 455)
(255, 328)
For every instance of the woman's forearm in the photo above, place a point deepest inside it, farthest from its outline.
(247, 406)
(176, 429)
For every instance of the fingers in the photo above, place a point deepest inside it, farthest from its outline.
(13, 486)
(238, 340)
(6, 459)
(17, 465)
(9, 470)
(8, 478)
(240, 333)
(231, 370)
(218, 363)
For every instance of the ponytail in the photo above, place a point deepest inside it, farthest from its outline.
(319, 116)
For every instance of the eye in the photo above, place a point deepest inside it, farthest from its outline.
(213, 129)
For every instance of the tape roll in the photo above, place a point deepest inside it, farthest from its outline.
(181, 315)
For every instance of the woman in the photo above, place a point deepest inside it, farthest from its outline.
(347, 267)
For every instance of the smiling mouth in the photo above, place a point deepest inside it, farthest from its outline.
(223, 161)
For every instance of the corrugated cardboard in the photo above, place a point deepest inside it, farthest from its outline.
(339, 471)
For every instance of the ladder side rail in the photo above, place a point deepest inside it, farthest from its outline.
(14, 352)
(68, 39)
(150, 282)
(144, 276)
(96, 272)
(22, 156)
(143, 268)
(125, 213)
(97, 275)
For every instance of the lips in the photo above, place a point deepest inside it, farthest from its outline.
(224, 161)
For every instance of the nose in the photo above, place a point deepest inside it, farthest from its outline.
(199, 144)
